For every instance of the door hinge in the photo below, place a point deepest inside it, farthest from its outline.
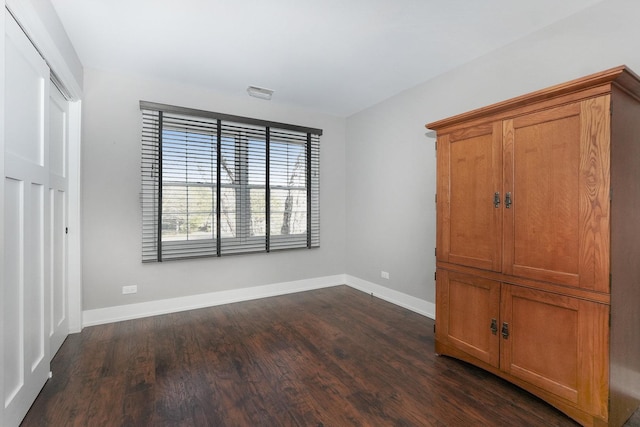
(435, 198)
(66, 230)
(435, 275)
(435, 251)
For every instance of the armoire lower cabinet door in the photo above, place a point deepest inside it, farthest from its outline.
(468, 314)
(557, 343)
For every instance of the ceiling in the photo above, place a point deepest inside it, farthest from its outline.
(334, 56)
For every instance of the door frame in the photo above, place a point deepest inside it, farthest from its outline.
(2, 175)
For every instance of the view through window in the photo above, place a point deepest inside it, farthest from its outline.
(214, 186)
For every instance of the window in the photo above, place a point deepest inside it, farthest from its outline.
(215, 184)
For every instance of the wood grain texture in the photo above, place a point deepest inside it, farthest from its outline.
(570, 244)
(595, 184)
(470, 224)
(472, 227)
(604, 298)
(330, 357)
(443, 203)
(469, 304)
(540, 320)
(545, 166)
(625, 255)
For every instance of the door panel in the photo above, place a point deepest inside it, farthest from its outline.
(553, 227)
(552, 343)
(466, 306)
(538, 320)
(13, 295)
(470, 222)
(58, 186)
(26, 310)
(36, 346)
(24, 85)
(58, 132)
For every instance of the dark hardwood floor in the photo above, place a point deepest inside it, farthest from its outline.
(329, 357)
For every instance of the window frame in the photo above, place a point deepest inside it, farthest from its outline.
(243, 130)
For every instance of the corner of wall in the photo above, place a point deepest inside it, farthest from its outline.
(414, 304)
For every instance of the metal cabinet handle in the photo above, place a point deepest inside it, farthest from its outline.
(505, 330)
(507, 200)
(496, 199)
(494, 326)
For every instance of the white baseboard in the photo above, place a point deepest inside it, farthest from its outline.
(414, 304)
(101, 316)
(152, 308)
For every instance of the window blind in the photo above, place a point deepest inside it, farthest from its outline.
(215, 184)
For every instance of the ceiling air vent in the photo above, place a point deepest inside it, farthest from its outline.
(260, 92)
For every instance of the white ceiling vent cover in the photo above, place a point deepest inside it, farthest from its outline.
(260, 92)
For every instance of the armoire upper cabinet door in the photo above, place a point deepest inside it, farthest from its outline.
(556, 173)
(470, 196)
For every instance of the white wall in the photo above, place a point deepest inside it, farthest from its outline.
(378, 210)
(111, 204)
(391, 162)
(390, 186)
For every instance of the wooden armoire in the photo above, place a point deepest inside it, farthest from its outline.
(538, 243)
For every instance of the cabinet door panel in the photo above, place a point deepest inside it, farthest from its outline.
(466, 306)
(470, 174)
(556, 169)
(556, 343)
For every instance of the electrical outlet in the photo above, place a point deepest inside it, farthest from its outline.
(384, 274)
(132, 289)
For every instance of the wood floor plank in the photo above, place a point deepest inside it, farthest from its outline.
(328, 357)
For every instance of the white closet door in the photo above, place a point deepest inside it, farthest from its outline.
(58, 190)
(26, 305)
